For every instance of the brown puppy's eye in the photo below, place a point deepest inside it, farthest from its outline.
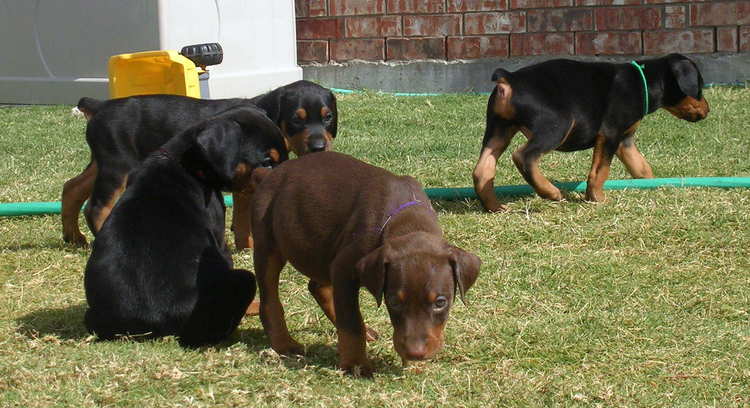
(440, 303)
(328, 117)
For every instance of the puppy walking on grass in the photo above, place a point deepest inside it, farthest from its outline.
(346, 224)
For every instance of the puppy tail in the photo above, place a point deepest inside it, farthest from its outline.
(500, 74)
(87, 107)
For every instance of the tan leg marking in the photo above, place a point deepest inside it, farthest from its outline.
(97, 220)
(529, 169)
(633, 160)
(75, 192)
(253, 309)
(484, 172)
(599, 171)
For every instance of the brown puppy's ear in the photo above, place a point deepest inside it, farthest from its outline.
(372, 271)
(465, 270)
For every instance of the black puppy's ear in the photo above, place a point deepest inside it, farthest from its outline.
(687, 75)
(372, 271)
(238, 135)
(465, 270)
(212, 156)
(263, 132)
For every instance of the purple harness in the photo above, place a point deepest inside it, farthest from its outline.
(398, 210)
(391, 214)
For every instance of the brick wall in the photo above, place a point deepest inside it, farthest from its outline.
(376, 30)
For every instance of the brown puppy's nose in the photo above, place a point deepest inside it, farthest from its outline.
(416, 351)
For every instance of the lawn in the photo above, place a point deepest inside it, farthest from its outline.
(639, 301)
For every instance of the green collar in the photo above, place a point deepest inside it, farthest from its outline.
(645, 85)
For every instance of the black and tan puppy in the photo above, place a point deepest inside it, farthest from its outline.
(346, 224)
(159, 265)
(122, 132)
(568, 105)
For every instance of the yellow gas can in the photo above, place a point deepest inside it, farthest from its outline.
(153, 72)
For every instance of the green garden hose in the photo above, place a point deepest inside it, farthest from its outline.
(448, 194)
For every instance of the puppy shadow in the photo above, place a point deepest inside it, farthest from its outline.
(317, 357)
(64, 323)
(462, 206)
(48, 245)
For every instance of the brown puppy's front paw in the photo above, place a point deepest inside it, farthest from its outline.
(357, 369)
(288, 348)
(371, 334)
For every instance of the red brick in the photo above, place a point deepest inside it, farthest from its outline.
(675, 16)
(609, 2)
(743, 12)
(608, 43)
(352, 7)
(349, 49)
(541, 44)
(476, 5)
(629, 18)
(495, 23)
(744, 38)
(379, 26)
(726, 39)
(684, 41)
(477, 47)
(415, 48)
(310, 8)
(559, 20)
(319, 29)
(672, 1)
(432, 25)
(416, 6)
(713, 14)
(527, 4)
(312, 51)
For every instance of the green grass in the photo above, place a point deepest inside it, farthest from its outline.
(639, 301)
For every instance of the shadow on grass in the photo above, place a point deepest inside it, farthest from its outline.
(466, 206)
(474, 206)
(318, 356)
(48, 245)
(65, 323)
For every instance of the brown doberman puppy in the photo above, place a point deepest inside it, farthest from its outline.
(569, 105)
(346, 224)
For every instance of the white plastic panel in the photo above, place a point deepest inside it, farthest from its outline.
(57, 51)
